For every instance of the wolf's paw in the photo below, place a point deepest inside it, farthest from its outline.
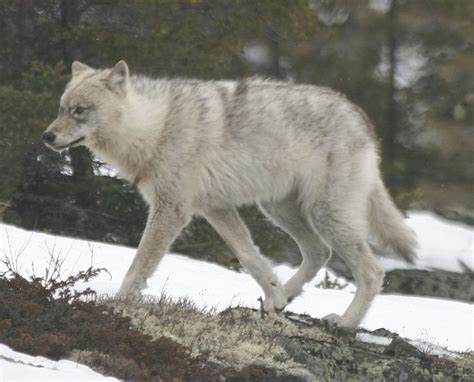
(276, 302)
(129, 293)
(337, 320)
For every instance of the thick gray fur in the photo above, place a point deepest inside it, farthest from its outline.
(305, 154)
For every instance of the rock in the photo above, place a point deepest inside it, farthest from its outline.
(401, 348)
(461, 215)
(436, 283)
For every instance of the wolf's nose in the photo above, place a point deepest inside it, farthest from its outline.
(49, 137)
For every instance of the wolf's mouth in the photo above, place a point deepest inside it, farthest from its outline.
(70, 144)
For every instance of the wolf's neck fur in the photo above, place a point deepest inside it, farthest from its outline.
(127, 142)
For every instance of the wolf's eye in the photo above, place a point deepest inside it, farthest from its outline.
(79, 110)
(61, 110)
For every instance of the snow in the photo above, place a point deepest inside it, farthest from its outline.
(382, 6)
(441, 323)
(429, 348)
(15, 366)
(411, 65)
(424, 346)
(441, 244)
(373, 339)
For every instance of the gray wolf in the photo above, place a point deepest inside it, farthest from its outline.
(305, 154)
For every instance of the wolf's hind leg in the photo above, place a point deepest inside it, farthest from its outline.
(351, 245)
(288, 216)
(233, 231)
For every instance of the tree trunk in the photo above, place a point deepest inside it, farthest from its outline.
(81, 161)
(274, 44)
(20, 32)
(391, 126)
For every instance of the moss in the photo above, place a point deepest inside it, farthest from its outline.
(236, 337)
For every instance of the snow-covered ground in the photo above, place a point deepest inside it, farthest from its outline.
(445, 323)
(16, 366)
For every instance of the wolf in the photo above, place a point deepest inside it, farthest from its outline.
(304, 154)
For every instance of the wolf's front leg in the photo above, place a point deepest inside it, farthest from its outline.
(233, 231)
(164, 224)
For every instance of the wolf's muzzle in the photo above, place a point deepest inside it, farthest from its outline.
(70, 144)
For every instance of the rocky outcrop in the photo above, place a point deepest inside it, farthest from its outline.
(435, 283)
(293, 347)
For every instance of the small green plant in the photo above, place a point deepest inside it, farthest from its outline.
(331, 283)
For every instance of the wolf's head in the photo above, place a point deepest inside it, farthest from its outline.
(91, 104)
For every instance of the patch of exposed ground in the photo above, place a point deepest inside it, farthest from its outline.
(165, 340)
(295, 346)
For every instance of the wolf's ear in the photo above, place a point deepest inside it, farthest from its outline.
(118, 77)
(78, 67)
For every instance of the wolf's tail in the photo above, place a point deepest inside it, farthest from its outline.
(386, 222)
